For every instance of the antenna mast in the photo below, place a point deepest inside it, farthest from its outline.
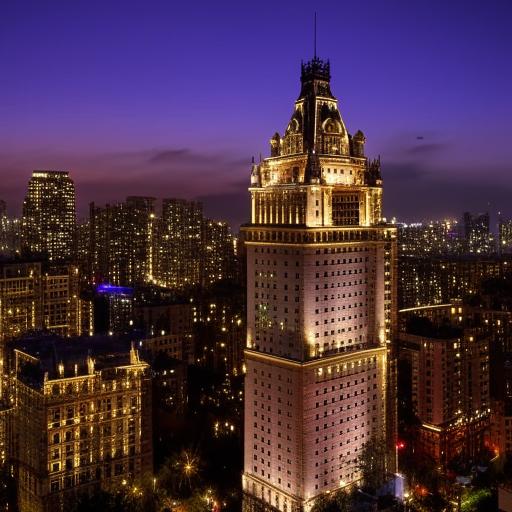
(315, 39)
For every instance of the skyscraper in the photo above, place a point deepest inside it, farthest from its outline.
(505, 235)
(49, 214)
(120, 241)
(177, 251)
(321, 308)
(476, 231)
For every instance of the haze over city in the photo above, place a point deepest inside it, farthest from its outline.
(173, 99)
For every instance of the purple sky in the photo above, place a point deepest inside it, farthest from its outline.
(173, 98)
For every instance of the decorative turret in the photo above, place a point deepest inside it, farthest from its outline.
(134, 355)
(255, 174)
(275, 145)
(358, 141)
(90, 364)
(372, 173)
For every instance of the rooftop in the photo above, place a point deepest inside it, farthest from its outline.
(69, 357)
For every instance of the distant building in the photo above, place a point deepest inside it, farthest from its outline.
(169, 329)
(49, 215)
(82, 419)
(435, 238)
(505, 235)
(220, 331)
(128, 244)
(178, 244)
(478, 238)
(218, 252)
(36, 296)
(120, 241)
(424, 281)
(114, 305)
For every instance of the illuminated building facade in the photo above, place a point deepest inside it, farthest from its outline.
(218, 252)
(448, 373)
(128, 244)
(35, 296)
(505, 235)
(49, 215)
(320, 308)
(178, 244)
(120, 242)
(436, 238)
(82, 420)
(478, 237)
(11, 236)
(437, 280)
(189, 249)
(447, 237)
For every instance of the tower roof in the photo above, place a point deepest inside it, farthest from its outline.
(315, 69)
(315, 78)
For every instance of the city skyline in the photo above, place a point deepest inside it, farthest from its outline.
(340, 341)
(156, 103)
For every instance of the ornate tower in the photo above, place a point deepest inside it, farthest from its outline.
(321, 308)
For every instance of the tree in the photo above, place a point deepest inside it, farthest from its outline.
(371, 463)
(338, 501)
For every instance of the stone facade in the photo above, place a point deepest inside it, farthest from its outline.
(321, 308)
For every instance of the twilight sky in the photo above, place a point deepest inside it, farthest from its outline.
(172, 98)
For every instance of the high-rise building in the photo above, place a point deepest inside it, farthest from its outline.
(178, 247)
(505, 235)
(437, 280)
(218, 252)
(446, 367)
(81, 420)
(49, 215)
(120, 241)
(11, 233)
(35, 296)
(190, 250)
(127, 244)
(435, 238)
(477, 235)
(320, 308)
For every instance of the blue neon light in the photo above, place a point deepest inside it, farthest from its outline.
(114, 290)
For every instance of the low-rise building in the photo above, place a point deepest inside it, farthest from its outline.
(81, 420)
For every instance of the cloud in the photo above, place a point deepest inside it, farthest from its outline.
(435, 194)
(172, 156)
(415, 186)
(111, 176)
(396, 170)
(424, 149)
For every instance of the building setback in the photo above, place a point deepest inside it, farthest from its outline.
(320, 308)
